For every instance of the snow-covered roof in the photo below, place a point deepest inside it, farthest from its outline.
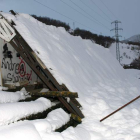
(91, 70)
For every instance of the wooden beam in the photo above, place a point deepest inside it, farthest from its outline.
(76, 118)
(54, 94)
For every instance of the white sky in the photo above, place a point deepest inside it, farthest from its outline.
(127, 11)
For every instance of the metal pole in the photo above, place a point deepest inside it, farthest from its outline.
(120, 108)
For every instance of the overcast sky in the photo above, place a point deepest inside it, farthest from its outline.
(93, 15)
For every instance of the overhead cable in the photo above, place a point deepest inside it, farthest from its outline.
(108, 9)
(78, 11)
(64, 15)
(94, 11)
(101, 9)
(90, 15)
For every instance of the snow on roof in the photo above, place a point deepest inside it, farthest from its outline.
(91, 70)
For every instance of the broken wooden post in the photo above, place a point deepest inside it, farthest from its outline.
(54, 94)
(120, 108)
(76, 118)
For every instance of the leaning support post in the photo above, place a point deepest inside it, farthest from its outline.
(120, 108)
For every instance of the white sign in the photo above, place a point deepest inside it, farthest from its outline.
(7, 33)
(13, 68)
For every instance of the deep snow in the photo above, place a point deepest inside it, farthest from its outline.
(11, 112)
(133, 72)
(91, 70)
(36, 129)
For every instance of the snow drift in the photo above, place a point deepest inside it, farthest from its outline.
(94, 73)
(11, 112)
(8, 97)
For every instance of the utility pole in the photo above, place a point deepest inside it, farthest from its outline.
(73, 26)
(116, 29)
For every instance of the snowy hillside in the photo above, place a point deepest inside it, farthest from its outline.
(135, 38)
(133, 72)
(86, 68)
(128, 53)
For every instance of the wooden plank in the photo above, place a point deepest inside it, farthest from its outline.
(64, 102)
(28, 88)
(76, 118)
(73, 100)
(54, 94)
(1, 77)
(41, 115)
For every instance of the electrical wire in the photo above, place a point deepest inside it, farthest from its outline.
(101, 9)
(108, 9)
(94, 11)
(77, 11)
(64, 15)
(90, 15)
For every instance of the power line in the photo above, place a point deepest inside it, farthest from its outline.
(94, 10)
(109, 9)
(64, 15)
(100, 9)
(77, 11)
(89, 15)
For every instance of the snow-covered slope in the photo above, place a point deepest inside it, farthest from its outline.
(128, 53)
(133, 72)
(92, 71)
(135, 38)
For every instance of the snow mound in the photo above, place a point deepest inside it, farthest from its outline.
(11, 112)
(22, 132)
(57, 118)
(44, 127)
(7, 97)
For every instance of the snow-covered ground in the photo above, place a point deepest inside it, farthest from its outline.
(133, 72)
(128, 53)
(89, 69)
